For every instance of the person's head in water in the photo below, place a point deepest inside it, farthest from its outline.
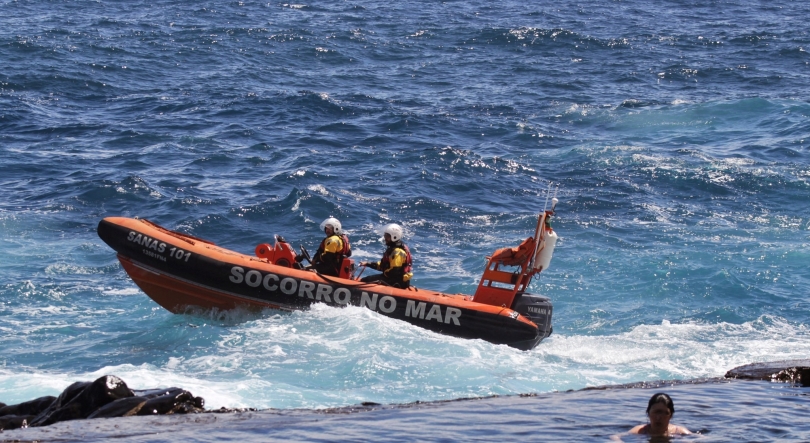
(662, 398)
(659, 411)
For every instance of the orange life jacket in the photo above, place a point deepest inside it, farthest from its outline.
(515, 256)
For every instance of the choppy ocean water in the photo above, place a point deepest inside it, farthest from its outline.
(677, 133)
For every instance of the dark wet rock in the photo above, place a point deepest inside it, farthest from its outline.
(123, 407)
(81, 399)
(19, 415)
(170, 401)
(108, 396)
(11, 421)
(64, 398)
(152, 393)
(32, 407)
(791, 371)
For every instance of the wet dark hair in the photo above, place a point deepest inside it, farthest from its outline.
(661, 398)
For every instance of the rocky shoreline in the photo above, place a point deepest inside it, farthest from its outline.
(105, 397)
(109, 396)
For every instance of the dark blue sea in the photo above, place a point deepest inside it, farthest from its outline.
(676, 135)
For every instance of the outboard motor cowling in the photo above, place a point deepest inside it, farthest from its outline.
(537, 308)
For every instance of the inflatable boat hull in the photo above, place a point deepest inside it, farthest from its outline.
(179, 272)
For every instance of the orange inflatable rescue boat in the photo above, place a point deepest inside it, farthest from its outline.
(179, 272)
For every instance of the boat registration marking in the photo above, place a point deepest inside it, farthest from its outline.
(155, 248)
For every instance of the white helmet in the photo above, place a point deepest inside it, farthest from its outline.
(333, 223)
(394, 230)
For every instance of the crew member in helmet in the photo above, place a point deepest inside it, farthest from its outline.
(333, 249)
(396, 264)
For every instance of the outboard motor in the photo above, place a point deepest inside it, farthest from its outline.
(537, 308)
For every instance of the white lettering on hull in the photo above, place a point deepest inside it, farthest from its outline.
(342, 296)
(417, 310)
(147, 242)
(155, 249)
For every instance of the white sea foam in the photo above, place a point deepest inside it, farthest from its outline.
(352, 350)
(687, 350)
